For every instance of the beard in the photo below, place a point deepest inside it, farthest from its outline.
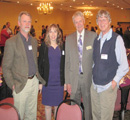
(26, 30)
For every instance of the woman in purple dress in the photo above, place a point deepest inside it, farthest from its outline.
(51, 67)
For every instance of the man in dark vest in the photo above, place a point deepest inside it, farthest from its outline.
(110, 65)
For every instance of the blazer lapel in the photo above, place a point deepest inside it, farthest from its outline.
(84, 44)
(33, 49)
(75, 46)
(21, 47)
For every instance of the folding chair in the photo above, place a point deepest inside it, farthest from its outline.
(8, 112)
(66, 111)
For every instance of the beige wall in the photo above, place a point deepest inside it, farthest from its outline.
(9, 12)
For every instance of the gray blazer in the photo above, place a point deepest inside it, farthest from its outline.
(15, 64)
(72, 60)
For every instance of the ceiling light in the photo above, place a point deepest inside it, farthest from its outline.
(45, 8)
(87, 14)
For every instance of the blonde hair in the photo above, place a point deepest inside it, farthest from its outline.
(59, 41)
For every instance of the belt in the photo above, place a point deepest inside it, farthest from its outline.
(31, 77)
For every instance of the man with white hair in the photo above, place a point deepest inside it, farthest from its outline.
(78, 63)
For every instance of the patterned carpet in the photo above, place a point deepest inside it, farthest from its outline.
(40, 109)
(126, 115)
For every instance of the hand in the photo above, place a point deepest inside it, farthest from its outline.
(69, 88)
(114, 84)
(65, 87)
(13, 87)
(40, 88)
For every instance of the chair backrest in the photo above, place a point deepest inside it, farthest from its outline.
(8, 112)
(66, 111)
(118, 101)
(7, 100)
(128, 103)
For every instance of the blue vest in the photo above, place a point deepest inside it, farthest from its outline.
(104, 70)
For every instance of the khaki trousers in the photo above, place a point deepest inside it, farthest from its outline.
(103, 103)
(26, 100)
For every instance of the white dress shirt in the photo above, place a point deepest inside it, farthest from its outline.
(82, 38)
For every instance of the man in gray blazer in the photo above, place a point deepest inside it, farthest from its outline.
(78, 66)
(20, 68)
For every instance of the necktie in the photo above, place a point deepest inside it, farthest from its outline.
(80, 50)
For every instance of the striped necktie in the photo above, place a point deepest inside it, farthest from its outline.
(80, 50)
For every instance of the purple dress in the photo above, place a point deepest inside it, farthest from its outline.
(52, 94)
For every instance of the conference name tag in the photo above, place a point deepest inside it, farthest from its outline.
(104, 56)
(63, 52)
(30, 47)
(88, 47)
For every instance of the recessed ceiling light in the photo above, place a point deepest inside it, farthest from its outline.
(117, 6)
(61, 4)
(83, 3)
(91, 1)
(70, 6)
(17, 1)
(113, 4)
(122, 8)
(31, 4)
(73, 0)
(107, 1)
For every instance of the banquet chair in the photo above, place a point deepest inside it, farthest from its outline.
(8, 112)
(7, 100)
(68, 111)
(118, 105)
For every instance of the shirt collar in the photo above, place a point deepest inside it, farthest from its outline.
(82, 33)
(23, 38)
(107, 36)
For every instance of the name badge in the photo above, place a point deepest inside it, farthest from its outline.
(63, 52)
(88, 47)
(30, 47)
(104, 56)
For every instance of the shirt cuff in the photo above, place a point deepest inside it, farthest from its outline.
(117, 80)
